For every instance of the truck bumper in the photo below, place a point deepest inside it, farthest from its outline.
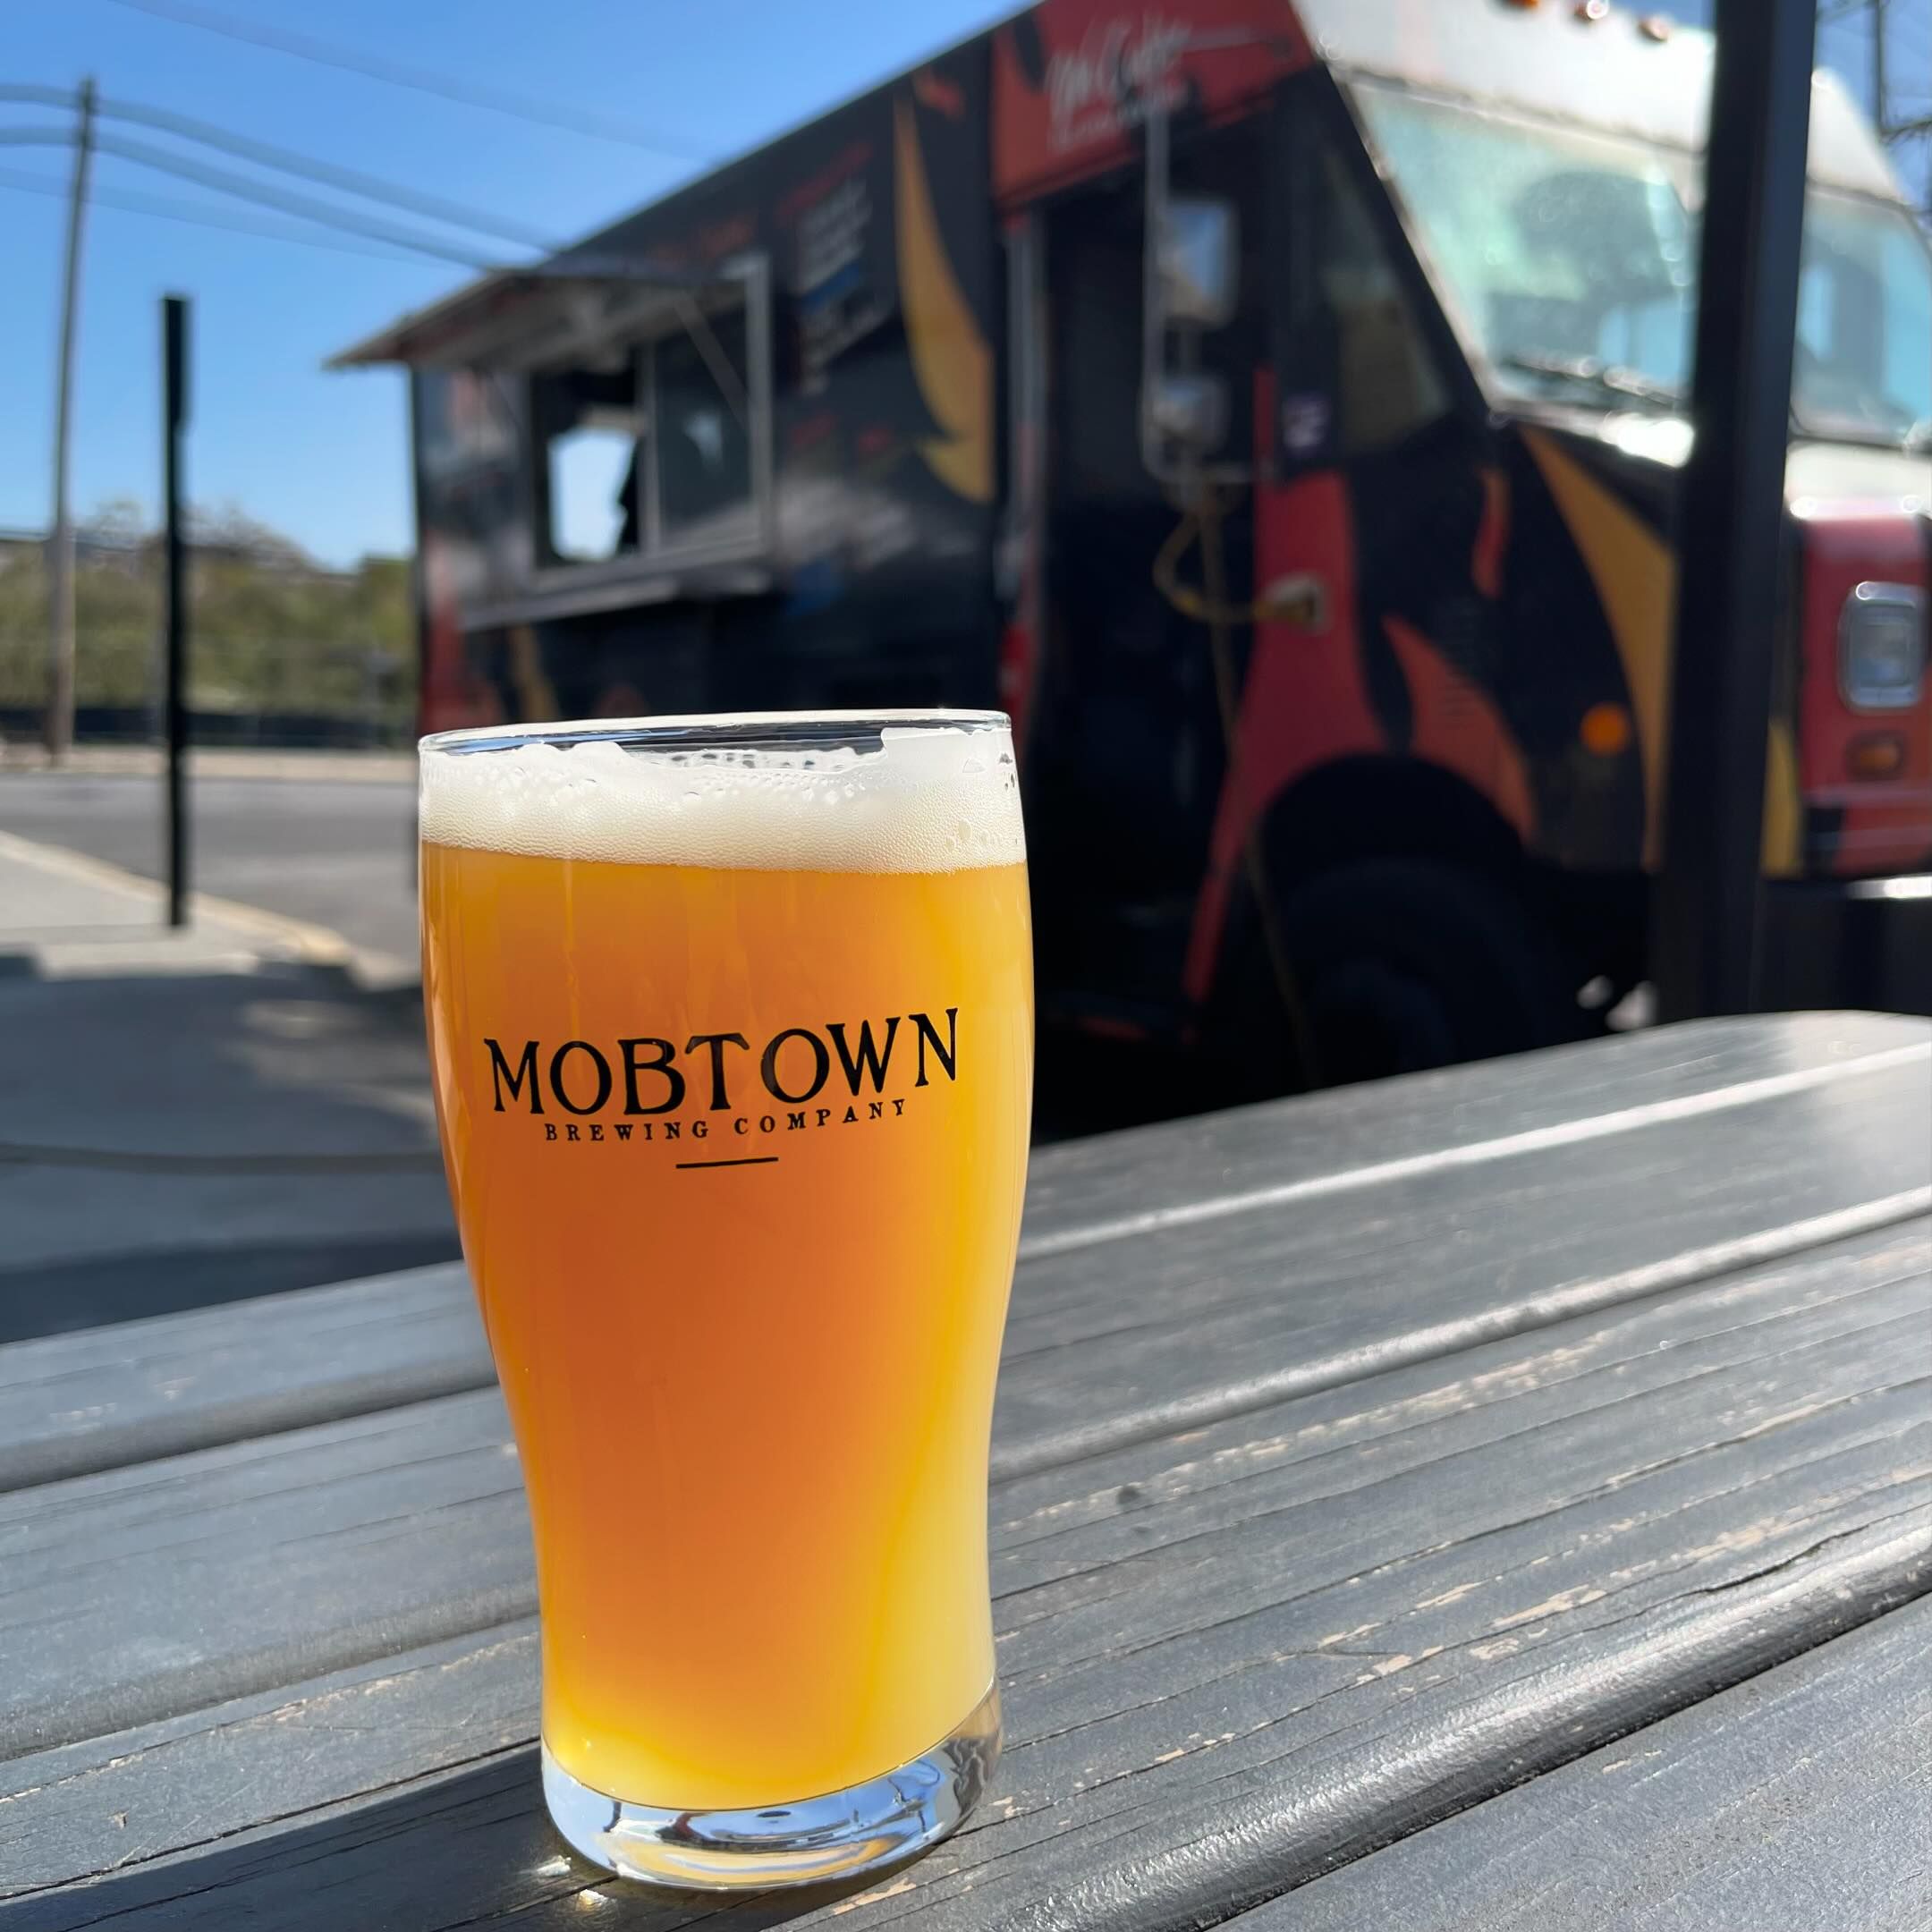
(1847, 943)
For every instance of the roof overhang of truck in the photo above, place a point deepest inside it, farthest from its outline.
(545, 316)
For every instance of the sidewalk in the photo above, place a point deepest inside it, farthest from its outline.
(189, 1117)
(216, 761)
(62, 913)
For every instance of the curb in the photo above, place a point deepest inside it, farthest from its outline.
(314, 945)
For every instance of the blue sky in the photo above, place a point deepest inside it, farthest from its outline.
(323, 456)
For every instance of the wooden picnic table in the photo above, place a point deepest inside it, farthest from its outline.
(1494, 1499)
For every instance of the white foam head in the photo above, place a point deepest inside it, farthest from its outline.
(938, 791)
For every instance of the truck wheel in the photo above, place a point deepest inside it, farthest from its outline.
(1401, 965)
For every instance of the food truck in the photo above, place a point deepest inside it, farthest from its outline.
(1278, 408)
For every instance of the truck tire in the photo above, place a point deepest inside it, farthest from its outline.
(1401, 964)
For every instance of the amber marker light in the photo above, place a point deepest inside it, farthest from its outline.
(1876, 755)
(1605, 730)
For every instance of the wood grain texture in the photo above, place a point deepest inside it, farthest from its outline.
(166, 1586)
(294, 1752)
(1386, 1132)
(1802, 1797)
(71, 1404)
(76, 1405)
(1231, 1652)
(1107, 1345)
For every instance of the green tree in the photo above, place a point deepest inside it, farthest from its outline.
(274, 632)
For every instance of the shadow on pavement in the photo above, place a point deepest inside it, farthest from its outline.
(171, 1140)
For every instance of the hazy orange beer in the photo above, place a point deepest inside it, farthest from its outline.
(732, 1029)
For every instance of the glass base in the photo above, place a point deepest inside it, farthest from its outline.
(815, 1841)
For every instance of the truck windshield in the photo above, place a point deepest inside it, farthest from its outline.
(1572, 257)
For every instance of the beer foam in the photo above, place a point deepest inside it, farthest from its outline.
(928, 797)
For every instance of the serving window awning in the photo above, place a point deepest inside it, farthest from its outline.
(570, 310)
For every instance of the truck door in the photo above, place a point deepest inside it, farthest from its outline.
(1376, 769)
(1372, 482)
(1126, 762)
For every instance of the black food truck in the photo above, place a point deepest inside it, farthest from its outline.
(1278, 410)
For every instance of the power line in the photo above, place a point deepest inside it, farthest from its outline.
(286, 201)
(283, 200)
(350, 181)
(40, 97)
(421, 80)
(161, 206)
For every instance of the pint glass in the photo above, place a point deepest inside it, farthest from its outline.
(730, 1022)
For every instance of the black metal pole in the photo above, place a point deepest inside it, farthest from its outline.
(1731, 513)
(174, 385)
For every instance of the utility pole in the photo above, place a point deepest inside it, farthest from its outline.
(57, 724)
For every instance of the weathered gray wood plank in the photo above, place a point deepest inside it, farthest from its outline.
(71, 1405)
(160, 1588)
(1800, 1798)
(1386, 1598)
(1388, 1131)
(1197, 1322)
(291, 1751)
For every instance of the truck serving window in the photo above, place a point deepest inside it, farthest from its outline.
(703, 446)
(587, 424)
(650, 414)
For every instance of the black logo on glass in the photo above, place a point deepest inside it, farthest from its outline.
(648, 1089)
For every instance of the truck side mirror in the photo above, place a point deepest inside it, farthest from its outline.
(1199, 262)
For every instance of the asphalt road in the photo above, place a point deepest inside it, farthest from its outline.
(336, 853)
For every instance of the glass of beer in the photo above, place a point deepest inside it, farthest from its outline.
(730, 1024)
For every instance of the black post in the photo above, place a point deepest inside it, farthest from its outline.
(175, 386)
(1730, 514)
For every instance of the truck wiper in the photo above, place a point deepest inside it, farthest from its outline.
(1603, 378)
